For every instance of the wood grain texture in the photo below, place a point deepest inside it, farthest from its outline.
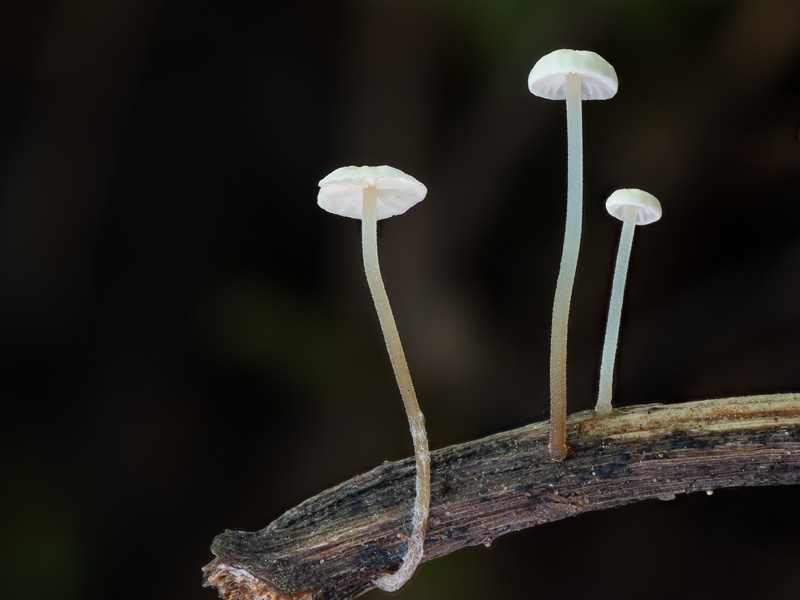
(333, 545)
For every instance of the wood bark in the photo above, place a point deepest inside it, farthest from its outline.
(332, 546)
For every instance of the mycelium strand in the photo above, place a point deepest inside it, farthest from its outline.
(566, 275)
(615, 311)
(369, 242)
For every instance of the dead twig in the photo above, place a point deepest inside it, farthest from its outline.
(332, 546)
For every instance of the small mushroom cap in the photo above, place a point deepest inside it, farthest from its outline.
(649, 207)
(342, 191)
(549, 74)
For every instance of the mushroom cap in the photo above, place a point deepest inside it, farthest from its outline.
(548, 76)
(342, 191)
(649, 207)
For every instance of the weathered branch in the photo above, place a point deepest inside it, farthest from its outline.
(333, 545)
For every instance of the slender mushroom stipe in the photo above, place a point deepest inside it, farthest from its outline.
(633, 207)
(571, 75)
(372, 193)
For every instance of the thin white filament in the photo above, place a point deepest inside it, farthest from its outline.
(416, 422)
(615, 311)
(566, 274)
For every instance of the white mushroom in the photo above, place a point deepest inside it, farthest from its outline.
(369, 194)
(633, 207)
(573, 75)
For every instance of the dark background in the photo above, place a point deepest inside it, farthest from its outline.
(187, 343)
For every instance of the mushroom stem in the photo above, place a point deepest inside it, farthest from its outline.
(416, 421)
(615, 311)
(566, 275)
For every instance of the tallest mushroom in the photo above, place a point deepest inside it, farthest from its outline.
(574, 75)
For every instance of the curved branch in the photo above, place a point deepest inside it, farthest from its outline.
(333, 545)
